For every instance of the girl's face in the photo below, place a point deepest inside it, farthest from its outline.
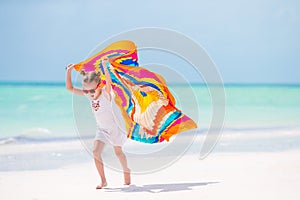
(92, 89)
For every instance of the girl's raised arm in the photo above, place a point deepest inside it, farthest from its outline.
(69, 85)
(107, 77)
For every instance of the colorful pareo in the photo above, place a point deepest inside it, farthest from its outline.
(147, 106)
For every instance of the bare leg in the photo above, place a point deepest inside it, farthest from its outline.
(120, 154)
(98, 148)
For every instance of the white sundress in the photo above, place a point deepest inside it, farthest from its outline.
(110, 125)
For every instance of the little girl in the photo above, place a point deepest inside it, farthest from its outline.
(108, 132)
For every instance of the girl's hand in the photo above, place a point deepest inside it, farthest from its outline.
(70, 67)
(104, 61)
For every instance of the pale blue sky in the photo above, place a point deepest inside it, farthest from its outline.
(253, 41)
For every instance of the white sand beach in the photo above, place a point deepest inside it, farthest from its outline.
(221, 175)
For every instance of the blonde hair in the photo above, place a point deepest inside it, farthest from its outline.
(89, 77)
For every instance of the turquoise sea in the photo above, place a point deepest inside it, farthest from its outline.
(42, 111)
(39, 122)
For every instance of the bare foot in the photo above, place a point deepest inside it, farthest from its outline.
(127, 177)
(101, 186)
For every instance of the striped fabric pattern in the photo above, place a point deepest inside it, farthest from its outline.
(148, 107)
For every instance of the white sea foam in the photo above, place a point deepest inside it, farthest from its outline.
(36, 130)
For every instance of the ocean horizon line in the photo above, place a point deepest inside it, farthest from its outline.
(62, 83)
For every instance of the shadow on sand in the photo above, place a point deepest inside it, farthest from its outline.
(157, 188)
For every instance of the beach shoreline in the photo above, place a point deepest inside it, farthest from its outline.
(259, 165)
(256, 157)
